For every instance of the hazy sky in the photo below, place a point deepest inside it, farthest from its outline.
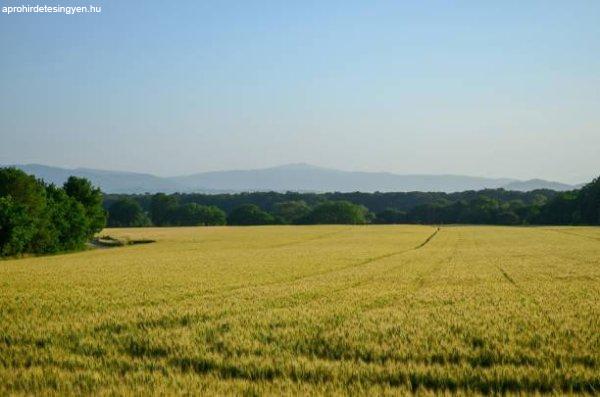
(503, 88)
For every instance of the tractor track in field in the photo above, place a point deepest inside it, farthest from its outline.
(351, 266)
(233, 290)
(419, 282)
(424, 243)
(528, 296)
(306, 240)
(358, 283)
(531, 298)
(574, 234)
(508, 277)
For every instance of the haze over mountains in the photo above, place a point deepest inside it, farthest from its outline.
(291, 177)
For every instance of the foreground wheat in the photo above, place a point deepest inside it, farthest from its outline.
(319, 310)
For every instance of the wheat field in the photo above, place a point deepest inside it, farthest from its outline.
(308, 310)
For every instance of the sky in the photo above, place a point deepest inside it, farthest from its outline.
(496, 89)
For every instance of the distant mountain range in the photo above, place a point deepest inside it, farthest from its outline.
(291, 177)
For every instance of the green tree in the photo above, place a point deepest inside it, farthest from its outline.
(508, 218)
(338, 212)
(390, 216)
(249, 214)
(428, 213)
(193, 214)
(29, 195)
(589, 203)
(67, 224)
(560, 210)
(17, 228)
(290, 211)
(24, 189)
(162, 209)
(91, 198)
(213, 216)
(127, 212)
(40, 218)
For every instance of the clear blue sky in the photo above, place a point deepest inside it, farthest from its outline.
(504, 88)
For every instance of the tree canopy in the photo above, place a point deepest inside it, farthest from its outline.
(127, 212)
(488, 206)
(249, 214)
(338, 212)
(40, 218)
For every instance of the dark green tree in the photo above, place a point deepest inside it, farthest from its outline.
(17, 228)
(589, 203)
(127, 212)
(290, 212)
(24, 189)
(162, 209)
(507, 218)
(560, 210)
(27, 195)
(249, 214)
(338, 212)
(192, 214)
(213, 216)
(91, 198)
(390, 216)
(67, 225)
(40, 218)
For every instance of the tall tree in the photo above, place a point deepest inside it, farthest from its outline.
(40, 218)
(67, 222)
(91, 198)
(162, 209)
(338, 212)
(290, 211)
(589, 203)
(127, 212)
(24, 189)
(249, 214)
(17, 228)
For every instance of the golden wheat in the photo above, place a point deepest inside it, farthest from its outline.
(308, 310)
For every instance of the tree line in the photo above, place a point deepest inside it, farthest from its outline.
(170, 210)
(488, 206)
(41, 218)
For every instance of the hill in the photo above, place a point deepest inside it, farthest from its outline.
(535, 184)
(292, 177)
(108, 181)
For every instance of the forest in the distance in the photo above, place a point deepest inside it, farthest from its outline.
(489, 206)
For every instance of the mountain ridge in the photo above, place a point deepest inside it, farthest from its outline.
(287, 177)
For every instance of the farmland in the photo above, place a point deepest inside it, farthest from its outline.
(308, 309)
